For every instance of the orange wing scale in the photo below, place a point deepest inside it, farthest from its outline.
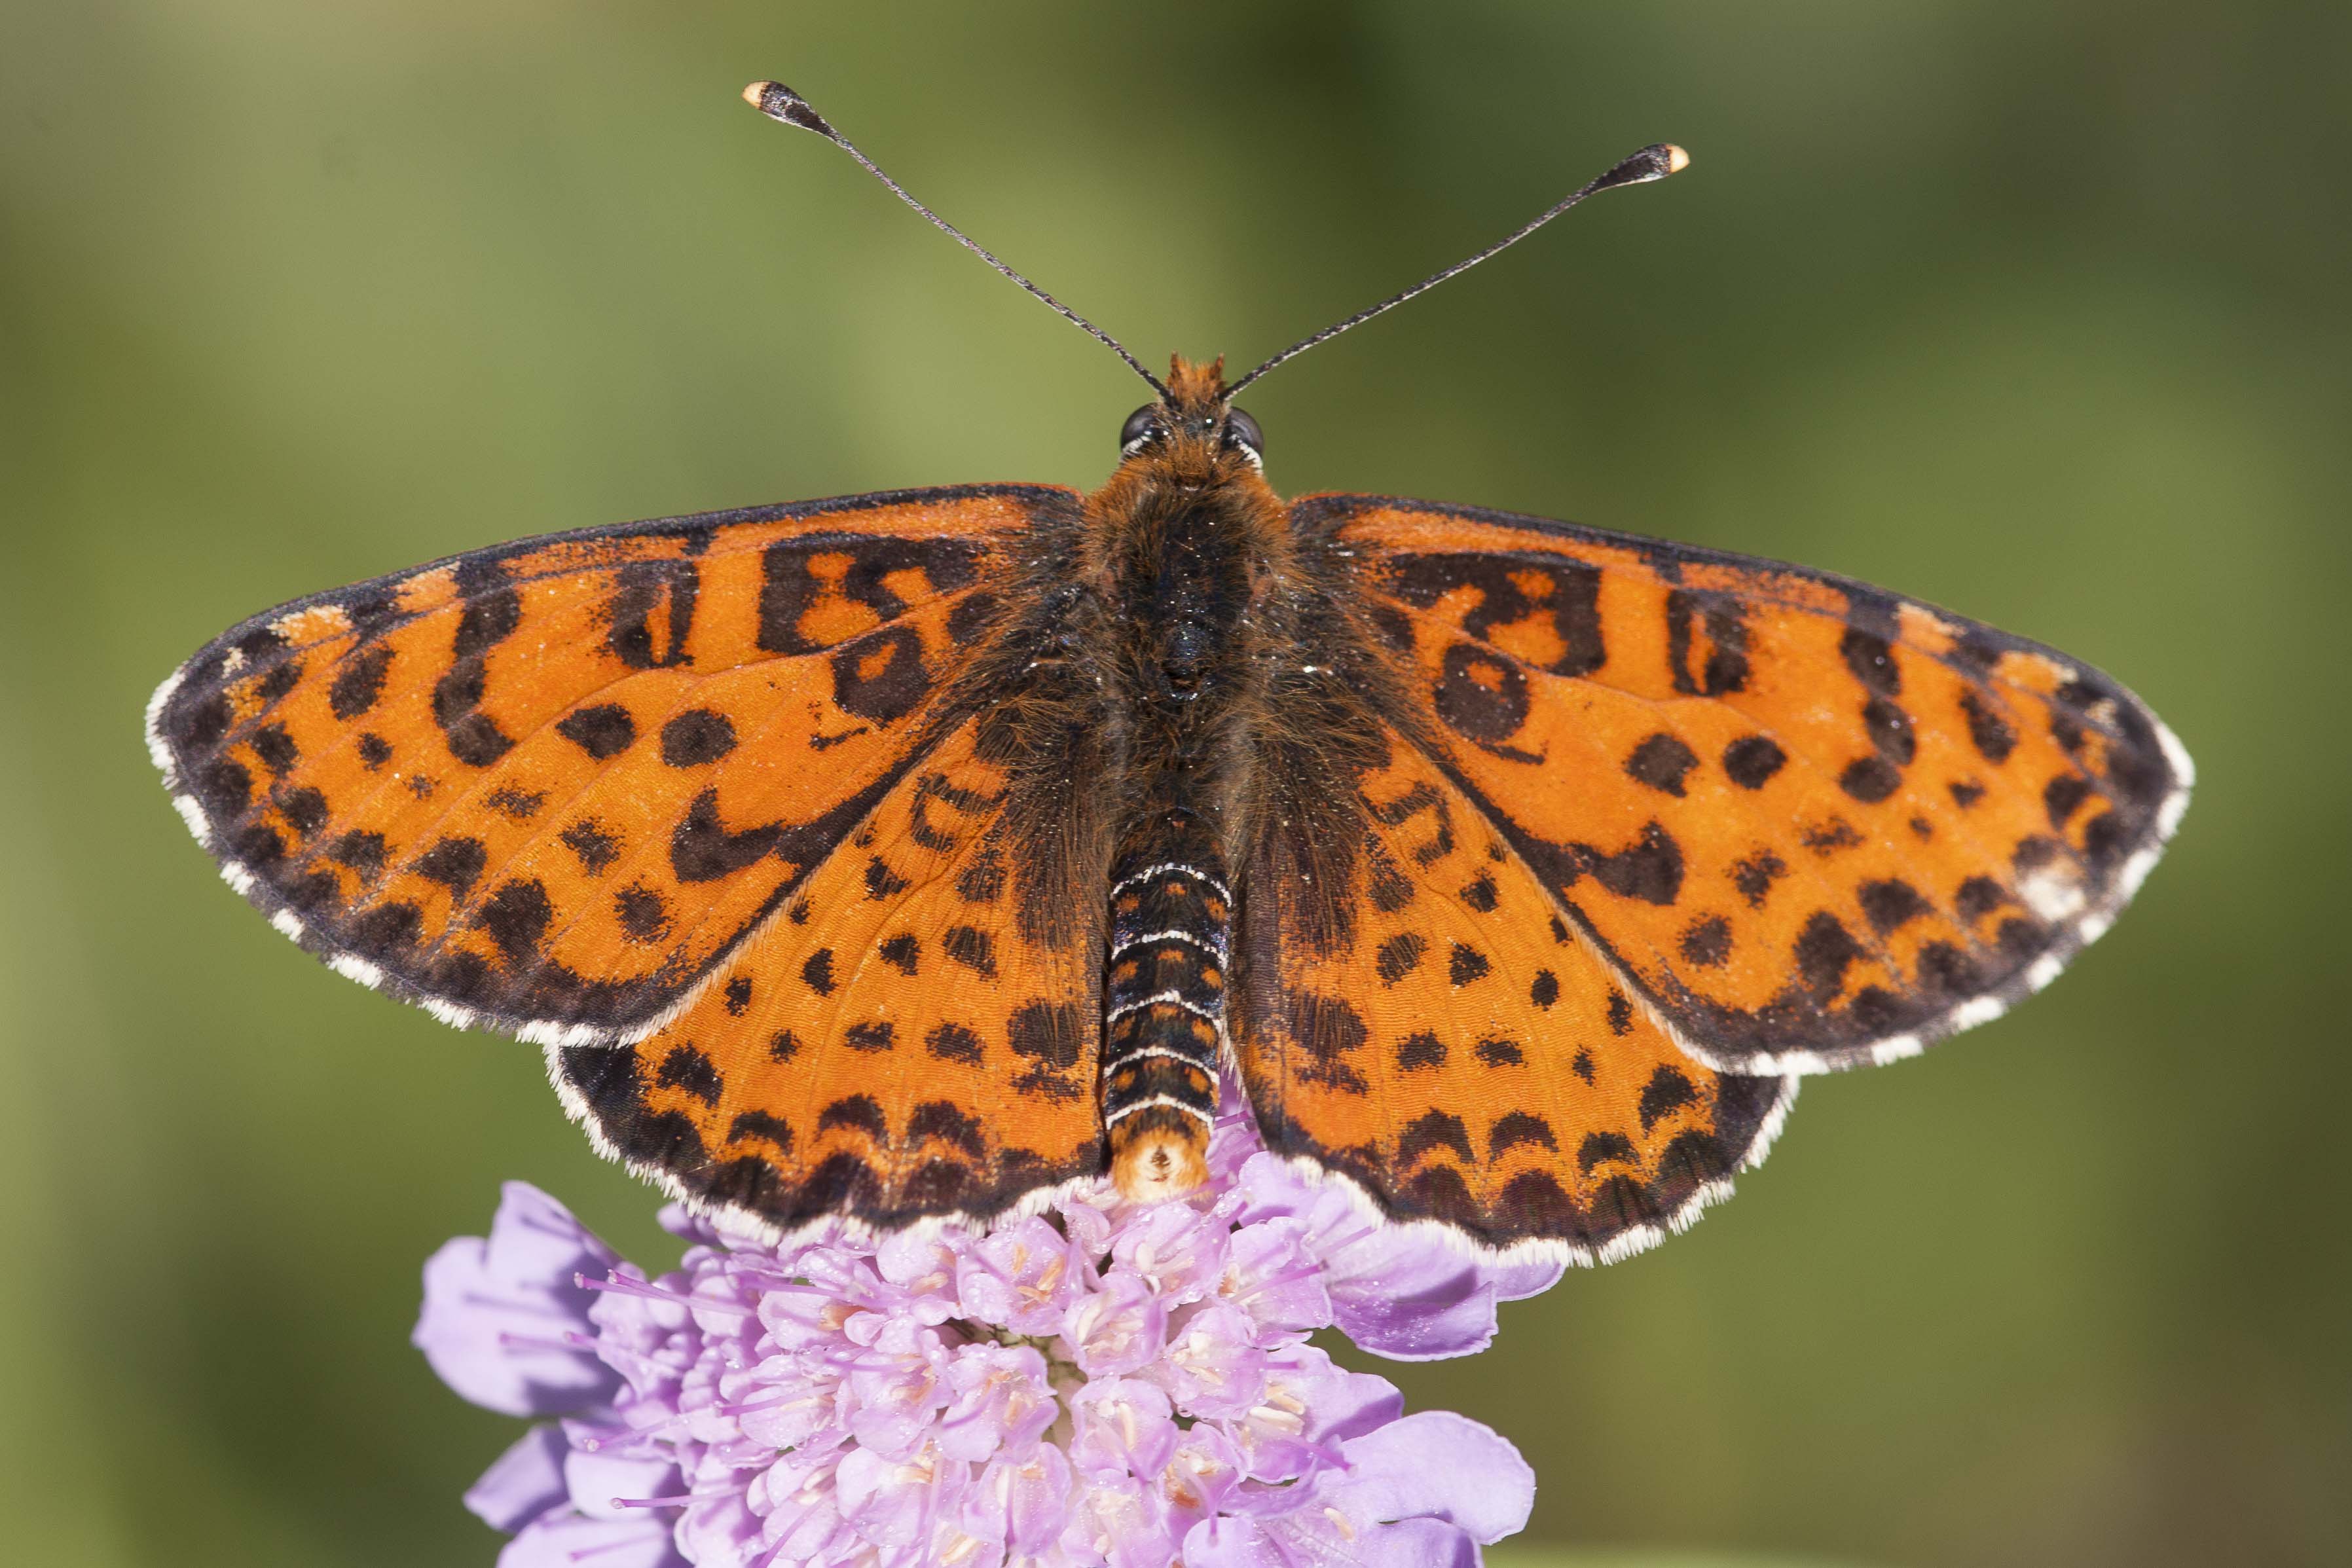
(1810, 824)
(1463, 1055)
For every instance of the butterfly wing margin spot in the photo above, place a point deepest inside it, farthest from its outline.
(1854, 707)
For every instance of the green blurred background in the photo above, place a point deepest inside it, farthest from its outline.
(2035, 309)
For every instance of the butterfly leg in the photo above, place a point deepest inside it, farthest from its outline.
(1164, 1007)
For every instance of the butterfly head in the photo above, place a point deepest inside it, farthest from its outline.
(1193, 428)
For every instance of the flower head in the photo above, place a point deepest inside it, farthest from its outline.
(1105, 1383)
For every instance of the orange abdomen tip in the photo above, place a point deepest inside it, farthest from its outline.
(1160, 1158)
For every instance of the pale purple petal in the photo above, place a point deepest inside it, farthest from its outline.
(1175, 1250)
(504, 1322)
(1113, 1521)
(1200, 1480)
(571, 1541)
(605, 1483)
(896, 1502)
(998, 1396)
(1212, 1366)
(1021, 1504)
(1438, 1465)
(1022, 1277)
(1116, 1329)
(524, 1483)
(1309, 1405)
(1123, 1426)
(1413, 1543)
(1274, 1275)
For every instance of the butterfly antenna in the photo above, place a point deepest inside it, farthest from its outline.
(1654, 162)
(779, 103)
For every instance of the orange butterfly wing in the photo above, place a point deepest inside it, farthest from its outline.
(1417, 1017)
(900, 1042)
(1811, 824)
(548, 788)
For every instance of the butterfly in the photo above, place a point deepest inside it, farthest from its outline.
(908, 856)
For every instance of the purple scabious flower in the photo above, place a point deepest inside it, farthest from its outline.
(1105, 1383)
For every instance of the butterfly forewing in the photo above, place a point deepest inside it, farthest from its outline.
(548, 787)
(1811, 824)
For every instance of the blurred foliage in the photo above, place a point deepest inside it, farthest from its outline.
(2031, 308)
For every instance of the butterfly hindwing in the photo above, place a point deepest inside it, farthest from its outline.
(547, 787)
(898, 1041)
(1812, 823)
(1420, 1019)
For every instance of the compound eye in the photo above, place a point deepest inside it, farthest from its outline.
(1243, 434)
(1141, 429)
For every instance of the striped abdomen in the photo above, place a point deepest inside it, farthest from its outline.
(1164, 1005)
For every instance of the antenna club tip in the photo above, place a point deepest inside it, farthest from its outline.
(777, 101)
(1676, 158)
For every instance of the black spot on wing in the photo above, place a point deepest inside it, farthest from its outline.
(453, 862)
(1399, 955)
(1752, 759)
(2064, 796)
(643, 914)
(1869, 779)
(861, 1112)
(1433, 1130)
(1481, 697)
(274, 746)
(762, 1124)
(1660, 762)
(1691, 614)
(974, 950)
(602, 731)
(1707, 942)
(1046, 1032)
(1668, 1090)
(358, 681)
(685, 1067)
(1755, 874)
(1871, 659)
(941, 1119)
(1328, 1031)
(1420, 1050)
(1824, 950)
(1890, 902)
(1495, 1050)
(1987, 731)
(1513, 1128)
(954, 1043)
(595, 847)
(1602, 1148)
(515, 917)
(696, 737)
